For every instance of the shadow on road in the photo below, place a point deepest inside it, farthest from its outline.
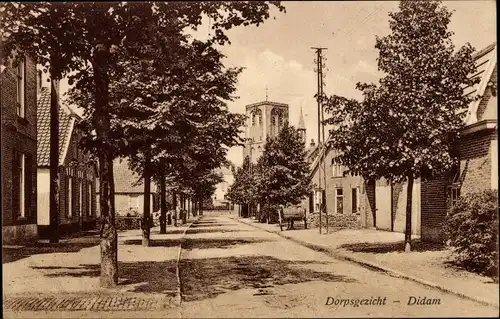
(72, 246)
(212, 225)
(382, 248)
(144, 277)
(193, 230)
(200, 243)
(208, 278)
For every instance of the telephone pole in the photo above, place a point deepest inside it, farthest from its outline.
(321, 137)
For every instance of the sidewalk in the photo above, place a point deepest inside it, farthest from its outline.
(427, 264)
(66, 275)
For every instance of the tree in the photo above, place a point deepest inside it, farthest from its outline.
(92, 35)
(160, 32)
(243, 191)
(283, 171)
(407, 126)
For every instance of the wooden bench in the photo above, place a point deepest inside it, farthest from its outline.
(290, 214)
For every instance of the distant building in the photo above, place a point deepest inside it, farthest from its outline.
(19, 181)
(129, 191)
(219, 198)
(264, 119)
(77, 173)
(343, 194)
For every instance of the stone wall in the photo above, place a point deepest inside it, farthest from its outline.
(335, 221)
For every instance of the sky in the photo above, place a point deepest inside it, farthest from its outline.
(278, 55)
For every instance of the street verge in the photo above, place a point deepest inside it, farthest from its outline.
(177, 267)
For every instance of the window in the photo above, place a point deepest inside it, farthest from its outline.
(20, 88)
(80, 198)
(89, 199)
(70, 197)
(337, 170)
(453, 195)
(339, 199)
(253, 119)
(21, 184)
(260, 118)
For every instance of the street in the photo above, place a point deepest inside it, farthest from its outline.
(230, 269)
(227, 269)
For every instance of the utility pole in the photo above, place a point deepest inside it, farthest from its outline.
(321, 137)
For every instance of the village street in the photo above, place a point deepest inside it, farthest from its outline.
(227, 269)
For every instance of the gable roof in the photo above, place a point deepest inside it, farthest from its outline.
(127, 181)
(67, 120)
(486, 61)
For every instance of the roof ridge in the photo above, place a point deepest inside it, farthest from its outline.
(484, 51)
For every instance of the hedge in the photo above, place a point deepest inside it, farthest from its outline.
(471, 231)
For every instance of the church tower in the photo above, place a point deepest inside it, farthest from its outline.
(263, 119)
(301, 127)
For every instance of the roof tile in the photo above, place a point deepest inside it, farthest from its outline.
(43, 128)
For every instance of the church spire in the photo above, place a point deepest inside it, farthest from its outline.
(301, 125)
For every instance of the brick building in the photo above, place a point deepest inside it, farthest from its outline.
(343, 194)
(385, 203)
(18, 103)
(478, 150)
(77, 174)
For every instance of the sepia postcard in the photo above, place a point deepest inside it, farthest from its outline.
(249, 159)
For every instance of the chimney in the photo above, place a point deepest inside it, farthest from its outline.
(312, 143)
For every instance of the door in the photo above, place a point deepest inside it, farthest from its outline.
(383, 206)
(311, 202)
(354, 201)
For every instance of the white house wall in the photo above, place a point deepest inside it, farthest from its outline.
(43, 196)
(400, 214)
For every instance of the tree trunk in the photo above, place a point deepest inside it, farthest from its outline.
(163, 205)
(169, 217)
(109, 237)
(201, 207)
(109, 241)
(408, 214)
(112, 211)
(146, 216)
(54, 164)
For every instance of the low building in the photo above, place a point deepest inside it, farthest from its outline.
(19, 126)
(77, 173)
(129, 191)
